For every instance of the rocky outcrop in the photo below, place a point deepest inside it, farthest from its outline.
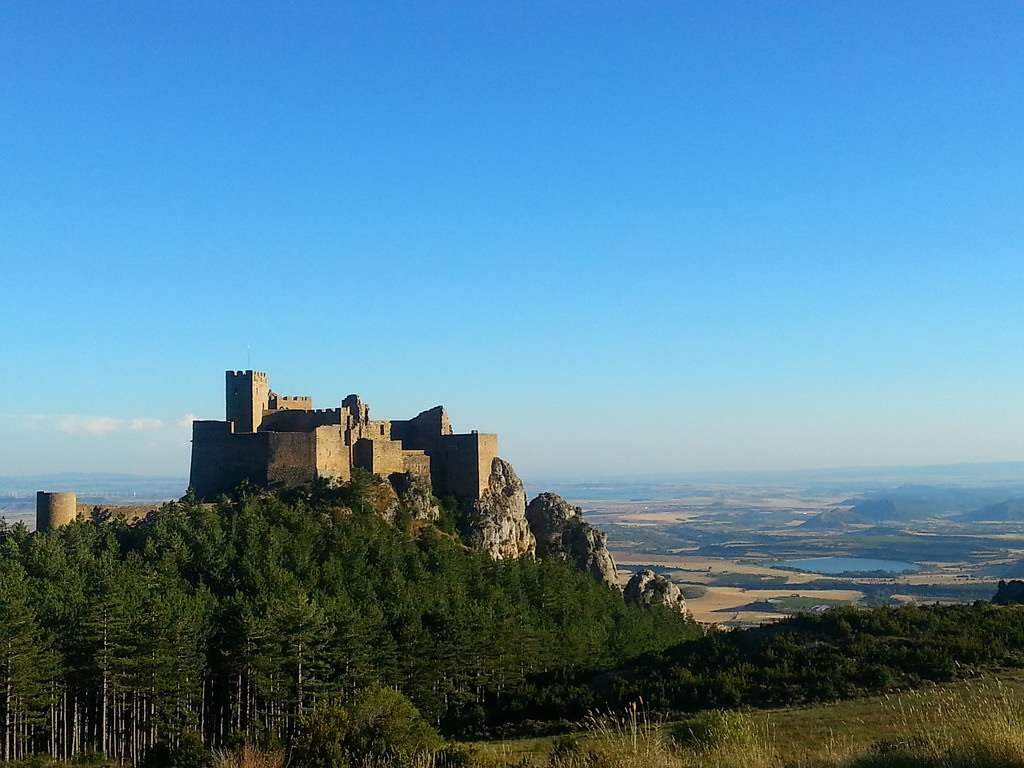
(562, 534)
(1008, 593)
(496, 522)
(649, 588)
(382, 498)
(415, 496)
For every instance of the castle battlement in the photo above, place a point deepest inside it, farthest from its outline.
(258, 375)
(278, 442)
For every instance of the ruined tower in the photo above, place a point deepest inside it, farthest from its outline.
(55, 509)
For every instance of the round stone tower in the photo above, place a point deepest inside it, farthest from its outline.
(55, 509)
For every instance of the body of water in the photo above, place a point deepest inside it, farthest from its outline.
(834, 565)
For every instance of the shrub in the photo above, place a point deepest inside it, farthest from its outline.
(380, 726)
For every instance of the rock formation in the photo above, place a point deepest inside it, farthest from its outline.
(1009, 592)
(382, 498)
(649, 588)
(415, 496)
(496, 522)
(562, 534)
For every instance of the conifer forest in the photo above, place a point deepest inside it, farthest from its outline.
(219, 624)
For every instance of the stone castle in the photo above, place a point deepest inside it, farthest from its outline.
(281, 442)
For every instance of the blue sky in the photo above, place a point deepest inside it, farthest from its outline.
(628, 237)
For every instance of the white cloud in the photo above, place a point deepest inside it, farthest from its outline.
(145, 424)
(186, 420)
(76, 424)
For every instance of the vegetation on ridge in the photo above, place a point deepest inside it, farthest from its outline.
(213, 625)
(306, 626)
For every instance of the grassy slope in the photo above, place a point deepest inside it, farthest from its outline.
(862, 732)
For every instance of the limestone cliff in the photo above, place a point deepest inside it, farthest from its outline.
(649, 588)
(415, 496)
(383, 499)
(562, 534)
(496, 522)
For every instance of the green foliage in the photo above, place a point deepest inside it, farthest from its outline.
(233, 621)
(380, 727)
(842, 653)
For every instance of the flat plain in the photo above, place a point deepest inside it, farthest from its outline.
(726, 546)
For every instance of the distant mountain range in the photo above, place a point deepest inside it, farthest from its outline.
(1009, 511)
(847, 480)
(924, 502)
(96, 487)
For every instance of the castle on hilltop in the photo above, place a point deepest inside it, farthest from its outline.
(282, 442)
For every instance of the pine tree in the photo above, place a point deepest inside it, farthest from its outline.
(26, 666)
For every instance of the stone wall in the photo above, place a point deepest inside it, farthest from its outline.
(333, 454)
(222, 459)
(381, 457)
(376, 430)
(424, 432)
(291, 458)
(462, 465)
(303, 421)
(298, 403)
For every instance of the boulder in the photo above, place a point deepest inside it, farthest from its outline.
(496, 522)
(562, 534)
(649, 588)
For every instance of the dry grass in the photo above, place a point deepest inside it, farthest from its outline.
(249, 757)
(968, 725)
(979, 725)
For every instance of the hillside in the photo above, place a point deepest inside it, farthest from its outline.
(235, 618)
(1011, 510)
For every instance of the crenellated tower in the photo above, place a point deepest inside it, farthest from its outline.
(247, 396)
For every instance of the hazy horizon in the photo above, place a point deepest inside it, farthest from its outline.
(628, 239)
(988, 474)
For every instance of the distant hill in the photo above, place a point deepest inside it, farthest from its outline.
(838, 519)
(1011, 510)
(922, 502)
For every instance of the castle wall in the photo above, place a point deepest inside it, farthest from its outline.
(221, 459)
(247, 393)
(381, 457)
(462, 465)
(333, 454)
(376, 430)
(359, 410)
(303, 421)
(55, 509)
(424, 432)
(298, 403)
(417, 463)
(291, 458)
